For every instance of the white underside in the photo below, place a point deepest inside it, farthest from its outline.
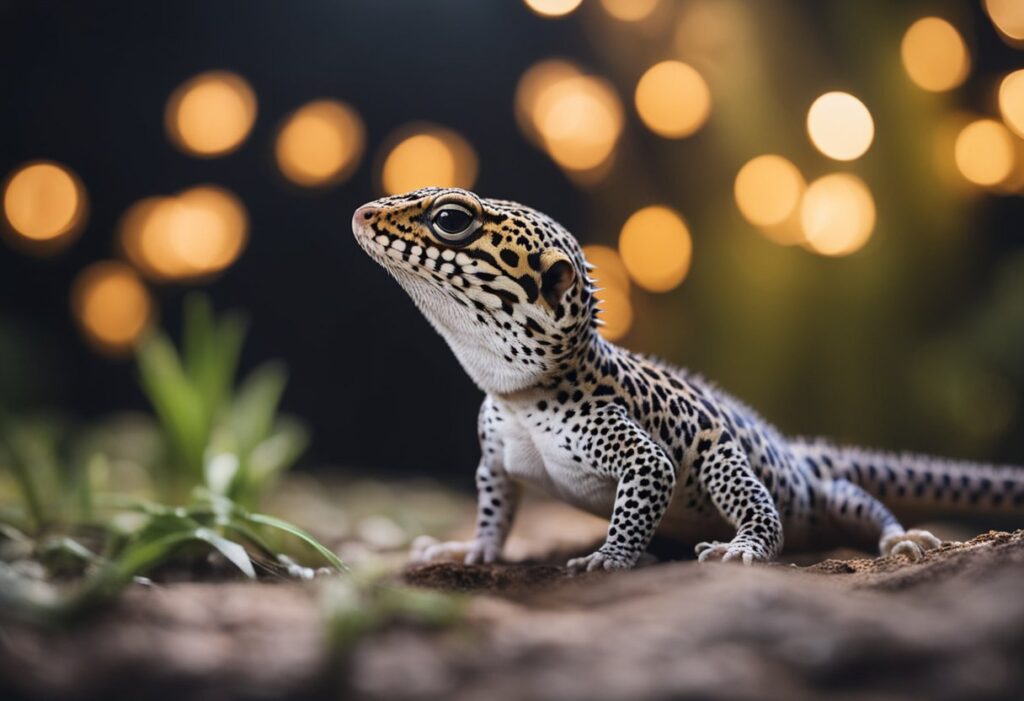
(536, 460)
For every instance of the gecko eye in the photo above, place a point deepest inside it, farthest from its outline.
(453, 222)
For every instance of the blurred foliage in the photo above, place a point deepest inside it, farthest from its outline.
(366, 602)
(233, 443)
(106, 503)
(831, 346)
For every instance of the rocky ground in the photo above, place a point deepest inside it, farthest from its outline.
(948, 627)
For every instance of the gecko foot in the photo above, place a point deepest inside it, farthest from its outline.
(740, 551)
(913, 543)
(600, 561)
(471, 552)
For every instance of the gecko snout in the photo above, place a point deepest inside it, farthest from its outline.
(362, 217)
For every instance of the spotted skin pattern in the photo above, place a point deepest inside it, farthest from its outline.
(649, 446)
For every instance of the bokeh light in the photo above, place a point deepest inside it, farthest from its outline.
(1007, 16)
(935, 55)
(532, 86)
(320, 143)
(45, 205)
(985, 152)
(553, 8)
(610, 276)
(768, 190)
(211, 114)
(426, 155)
(579, 120)
(111, 306)
(656, 248)
(840, 126)
(629, 10)
(837, 214)
(195, 234)
(1011, 101)
(672, 99)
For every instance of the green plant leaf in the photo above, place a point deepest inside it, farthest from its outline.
(229, 549)
(176, 401)
(197, 338)
(269, 458)
(255, 404)
(272, 522)
(243, 529)
(211, 349)
(28, 448)
(70, 547)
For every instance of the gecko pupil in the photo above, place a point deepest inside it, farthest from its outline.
(453, 220)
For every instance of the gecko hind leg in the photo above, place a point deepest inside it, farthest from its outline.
(858, 513)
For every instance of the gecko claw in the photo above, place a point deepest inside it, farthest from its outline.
(738, 551)
(598, 561)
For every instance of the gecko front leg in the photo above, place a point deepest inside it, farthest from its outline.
(723, 471)
(646, 479)
(497, 501)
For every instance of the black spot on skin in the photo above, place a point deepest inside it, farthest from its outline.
(511, 258)
(529, 287)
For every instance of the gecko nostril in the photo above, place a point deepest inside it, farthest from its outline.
(364, 214)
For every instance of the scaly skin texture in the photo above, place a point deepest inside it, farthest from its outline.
(649, 446)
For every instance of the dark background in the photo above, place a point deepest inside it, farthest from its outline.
(86, 84)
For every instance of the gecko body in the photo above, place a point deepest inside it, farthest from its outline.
(651, 447)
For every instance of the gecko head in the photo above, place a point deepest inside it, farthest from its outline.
(505, 285)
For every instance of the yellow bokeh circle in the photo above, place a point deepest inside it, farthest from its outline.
(985, 152)
(553, 8)
(935, 55)
(111, 306)
(656, 248)
(44, 205)
(320, 143)
(837, 214)
(1011, 101)
(840, 126)
(211, 113)
(672, 99)
(427, 156)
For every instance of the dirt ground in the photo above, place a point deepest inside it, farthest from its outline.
(948, 627)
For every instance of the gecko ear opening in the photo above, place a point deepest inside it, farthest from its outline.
(558, 277)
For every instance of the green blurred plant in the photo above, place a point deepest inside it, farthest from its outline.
(235, 444)
(210, 458)
(368, 601)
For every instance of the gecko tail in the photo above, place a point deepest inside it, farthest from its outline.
(920, 486)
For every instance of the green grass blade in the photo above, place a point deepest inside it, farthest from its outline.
(211, 350)
(197, 334)
(229, 549)
(34, 509)
(243, 530)
(176, 401)
(269, 458)
(28, 448)
(255, 405)
(271, 522)
(137, 558)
